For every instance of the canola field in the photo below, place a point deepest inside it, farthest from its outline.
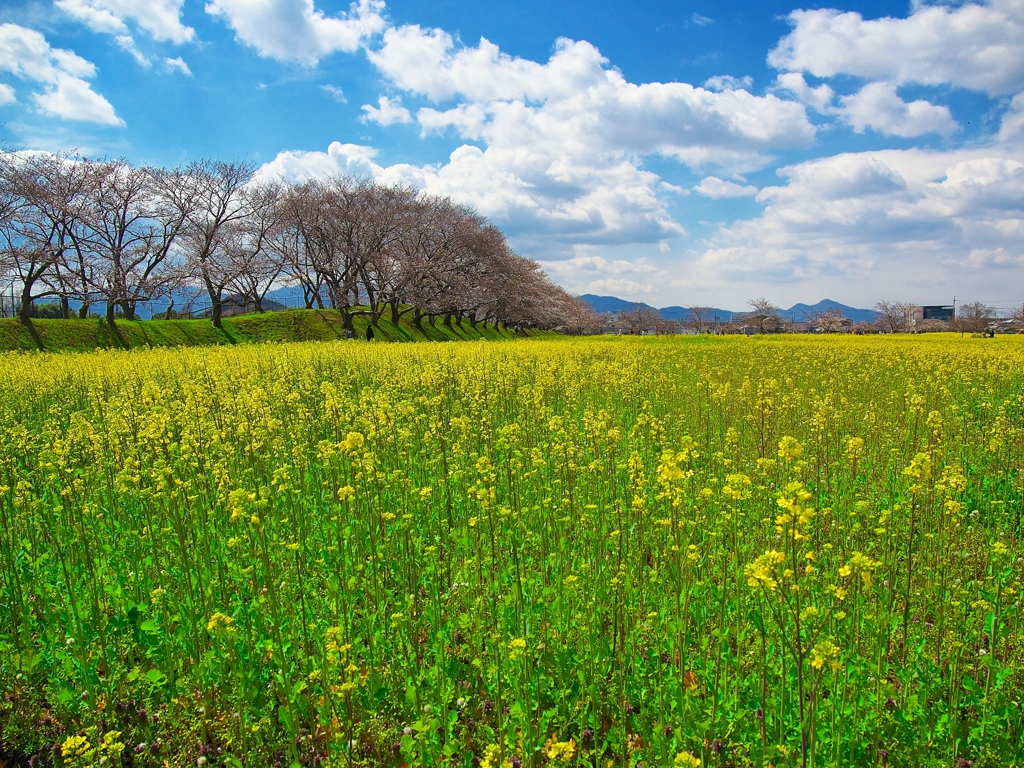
(611, 552)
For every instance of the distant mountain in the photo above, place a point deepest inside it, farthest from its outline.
(682, 313)
(607, 303)
(615, 304)
(798, 312)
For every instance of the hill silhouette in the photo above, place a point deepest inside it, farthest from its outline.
(798, 312)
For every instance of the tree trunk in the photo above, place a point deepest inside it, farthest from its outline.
(395, 316)
(216, 310)
(458, 318)
(170, 309)
(129, 310)
(25, 310)
(111, 306)
(65, 307)
(448, 320)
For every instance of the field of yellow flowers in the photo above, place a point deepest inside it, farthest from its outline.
(612, 552)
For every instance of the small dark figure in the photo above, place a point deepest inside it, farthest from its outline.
(349, 333)
(369, 332)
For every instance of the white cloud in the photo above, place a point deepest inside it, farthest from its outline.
(700, 20)
(716, 188)
(926, 223)
(339, 160)
(629, 271)
(387, 112)
(26, 54)
(556, 147)
(819, 98)
(161, 19)
(294, 30)
(619, 287)
(878, 106)
(1012, 125)
(178, 64)
(336, 93)
(127, 43)
(729, 83)
(7, 95)
(589, 265)
(981, 258)
(974, 46)
(574, 99)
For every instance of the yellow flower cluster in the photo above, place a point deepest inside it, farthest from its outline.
(220, 624)
(796, 514)
(737, 486)
(790, 449)
(561, 751)
(492, 758)
(516, 648)
(859, 563)
(825, 652)
(761, 572)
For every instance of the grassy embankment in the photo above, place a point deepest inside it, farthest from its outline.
(291, 325)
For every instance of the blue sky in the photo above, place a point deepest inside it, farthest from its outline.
(674, 153)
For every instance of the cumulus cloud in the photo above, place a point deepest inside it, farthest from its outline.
(587, 272)
(716, 188)
(1011, 127)
(336, 93)
(922, 221)
(728, 83)
(575, 100)
(294, 30)
(591, 264)
(61, 73)
(974, 46)
(7, 95)
(161, 19)
(339, 160)
(878, 106)
(387, 112)
(557, 147)
(793, 82)
(620, 287)
(178, 64)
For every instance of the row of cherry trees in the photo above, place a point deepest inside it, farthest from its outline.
(105, 233)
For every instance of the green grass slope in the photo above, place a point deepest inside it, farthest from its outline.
(290, 325)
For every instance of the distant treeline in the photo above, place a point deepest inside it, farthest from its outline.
(105, 234)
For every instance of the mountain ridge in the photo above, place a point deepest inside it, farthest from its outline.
(798, 312)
